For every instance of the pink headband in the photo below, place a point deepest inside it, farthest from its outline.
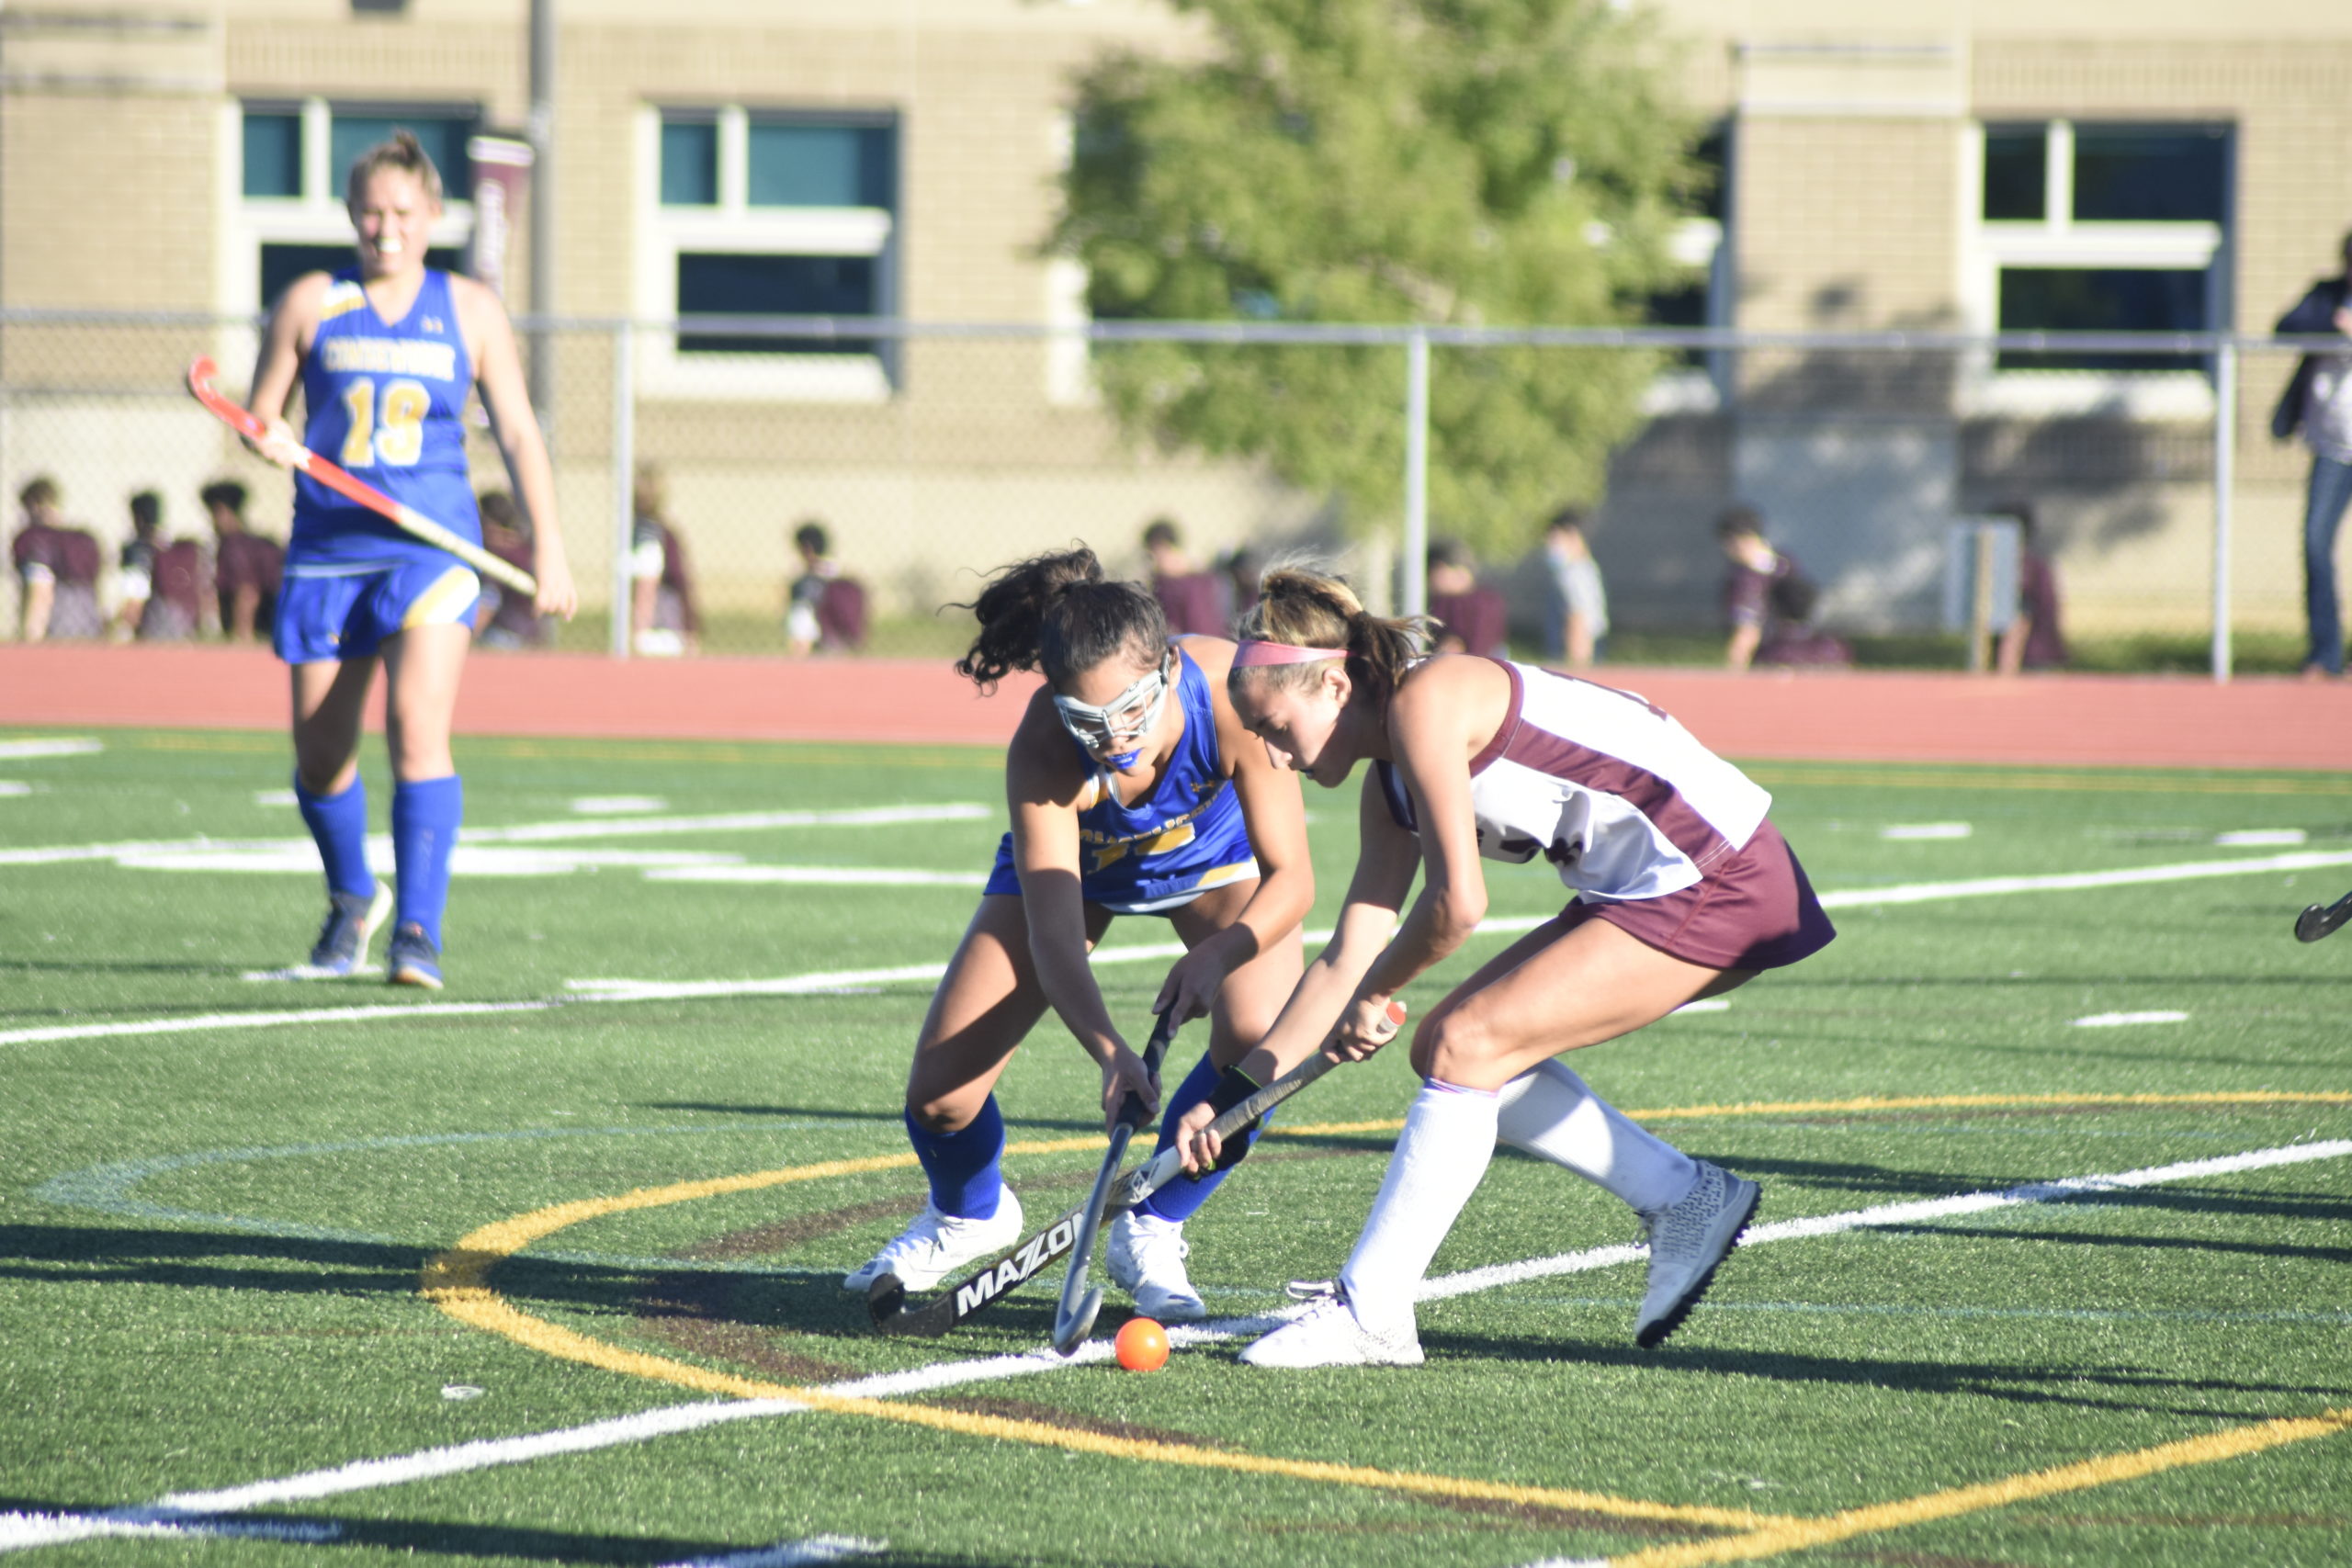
(1250, 655)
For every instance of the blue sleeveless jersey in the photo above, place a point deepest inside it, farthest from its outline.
(387, 402)
(1167, 849)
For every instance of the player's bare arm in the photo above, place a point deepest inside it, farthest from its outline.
(278, 367)
(1275, 811)
(1437, 720)
(1044, 781)
(498, 370)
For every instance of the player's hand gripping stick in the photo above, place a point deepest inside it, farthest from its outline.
(885, 1299)
(1074, 1316)
(1168, 1164)
(200, 378)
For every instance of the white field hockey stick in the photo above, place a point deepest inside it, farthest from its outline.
(200, 377)
(1074, 1316)
(886, 1301)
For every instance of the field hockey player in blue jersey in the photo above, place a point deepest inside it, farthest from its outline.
(385, 354)
(1133, 791)
(1684, 890)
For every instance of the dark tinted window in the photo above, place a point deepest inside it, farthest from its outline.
(281, 264)
(272, 154)
(689, 163)
(2017, 172)
(443, 136)
(2100, 299)
(790, 163)
(774, 285)
(2151, 173)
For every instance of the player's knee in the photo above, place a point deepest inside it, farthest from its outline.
(1451, 1047)
(939, 1114)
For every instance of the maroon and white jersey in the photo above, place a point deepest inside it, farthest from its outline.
(1605, 786)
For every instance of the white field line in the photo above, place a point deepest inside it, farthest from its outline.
(20, 1530)
(792, 1553)
(13, 750)
(537, 833)
(2117, 1020)
(805, 985)
(13, 787)
(821, 876)
(17, 1531)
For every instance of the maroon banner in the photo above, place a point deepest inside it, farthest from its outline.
(501, 181)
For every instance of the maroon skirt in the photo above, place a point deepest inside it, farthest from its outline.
(1752, 910)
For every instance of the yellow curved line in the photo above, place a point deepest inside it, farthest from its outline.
(457, 1282)
(1798, 1534)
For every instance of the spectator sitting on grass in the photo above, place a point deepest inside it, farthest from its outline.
(1770, 600)
(505, 617)
(1193, 600)
(162, 579)
(247, 570)
(1470, 618)
(823, 611)
(57, 567)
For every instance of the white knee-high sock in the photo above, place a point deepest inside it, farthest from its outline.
(1441, 1157)
(1549, 1113)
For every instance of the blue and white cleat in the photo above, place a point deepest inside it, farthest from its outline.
(414, 959)
(340, 951)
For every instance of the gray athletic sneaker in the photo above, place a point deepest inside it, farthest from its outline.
(1146, 1255)
(342, 948)
(1685, 1244)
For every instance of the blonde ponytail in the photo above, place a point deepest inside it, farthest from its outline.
(1306, 608)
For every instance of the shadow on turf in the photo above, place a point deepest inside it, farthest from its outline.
(299, 1266)
(442, 1538)
(2018, 1382)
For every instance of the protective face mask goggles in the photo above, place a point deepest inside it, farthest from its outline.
(1115, 730)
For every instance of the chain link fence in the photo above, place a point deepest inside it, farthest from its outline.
(932, 453)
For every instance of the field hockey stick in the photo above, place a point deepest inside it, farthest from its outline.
(885, 1299)
(2321, 919)
(1074, 1316)
(1168, 1164)
(200, 377)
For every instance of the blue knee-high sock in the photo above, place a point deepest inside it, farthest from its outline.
(426, 813)
(1181, 1197)
(962, 1164)
(338, 825)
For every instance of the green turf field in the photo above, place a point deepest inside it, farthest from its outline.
(217, 1225)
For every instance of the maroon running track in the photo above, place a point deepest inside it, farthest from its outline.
(2173, 722)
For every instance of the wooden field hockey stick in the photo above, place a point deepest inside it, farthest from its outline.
(885, 1299)
(200, 378)
(1074, 1315)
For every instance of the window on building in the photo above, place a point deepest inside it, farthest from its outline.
(2102, 226)
(756, 212)
(290, 160)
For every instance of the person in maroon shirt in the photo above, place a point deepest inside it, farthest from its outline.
(1193, 600)
(1768, 601)
(1470, 618)
(505, 618)
(2033, 638)
(162, 580)
(57, 566)
(246, 568)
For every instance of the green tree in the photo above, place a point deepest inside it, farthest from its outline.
(1494, 163)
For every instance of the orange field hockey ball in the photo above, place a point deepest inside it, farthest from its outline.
(1142, 1346)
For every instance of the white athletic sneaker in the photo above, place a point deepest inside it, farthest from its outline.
(1330, 1335)
(937, 1245)
(1146, 1258)
(1687, 1242)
